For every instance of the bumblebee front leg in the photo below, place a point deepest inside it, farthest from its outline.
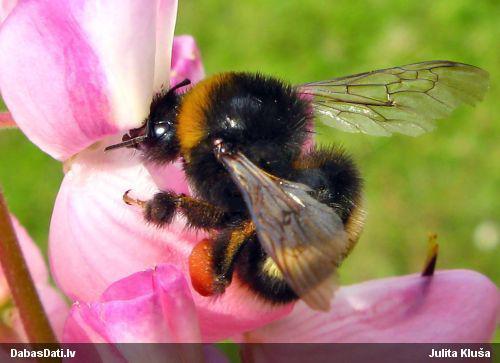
(161, 209)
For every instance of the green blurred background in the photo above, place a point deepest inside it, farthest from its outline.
(445, 182)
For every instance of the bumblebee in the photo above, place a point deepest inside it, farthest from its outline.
(281, 216)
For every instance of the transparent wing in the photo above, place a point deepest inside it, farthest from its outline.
(304, 237)
(403, 99)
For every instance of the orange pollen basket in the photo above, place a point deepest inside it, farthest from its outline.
(200, 268)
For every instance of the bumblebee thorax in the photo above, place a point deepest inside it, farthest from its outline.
(259, 116)
(192, 124)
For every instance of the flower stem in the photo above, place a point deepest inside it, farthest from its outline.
(22, 288)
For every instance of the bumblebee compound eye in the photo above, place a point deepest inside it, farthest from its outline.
(161, 129)
(161, 144)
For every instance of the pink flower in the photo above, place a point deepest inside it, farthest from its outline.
(78, 75)
(6, 7)
(153, 306)
(400, 309)
(11, 328)
(101, 73)
(156, 306)
(456, 306)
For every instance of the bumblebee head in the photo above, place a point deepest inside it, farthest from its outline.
(157, 137)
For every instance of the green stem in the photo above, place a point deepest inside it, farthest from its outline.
(22, 288)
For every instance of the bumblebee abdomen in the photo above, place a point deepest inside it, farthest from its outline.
(336, 182)
(262, 275)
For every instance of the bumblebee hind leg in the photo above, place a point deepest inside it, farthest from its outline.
(212, 261)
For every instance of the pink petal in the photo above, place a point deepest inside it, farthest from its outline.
(33, 257)
(96, 239)
(173, 291)
(452, 306)
(186, 61)
(160, 311)
(153, 306)
(77, 71)
(6, 7)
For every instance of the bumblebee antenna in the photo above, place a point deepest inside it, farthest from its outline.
(185, 82)
(127, 143)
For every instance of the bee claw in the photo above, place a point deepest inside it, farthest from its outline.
(133, 201)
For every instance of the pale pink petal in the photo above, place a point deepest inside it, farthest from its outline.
(55, 307)
(165, 23)
(76, 71)
(96, 239)
(6, 7)
(33, 257)
(186, 61)
(164, 174)
(452, 306)
(6, 120)
(235, 312)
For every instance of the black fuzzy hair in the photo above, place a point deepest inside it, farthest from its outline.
(262, 117)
